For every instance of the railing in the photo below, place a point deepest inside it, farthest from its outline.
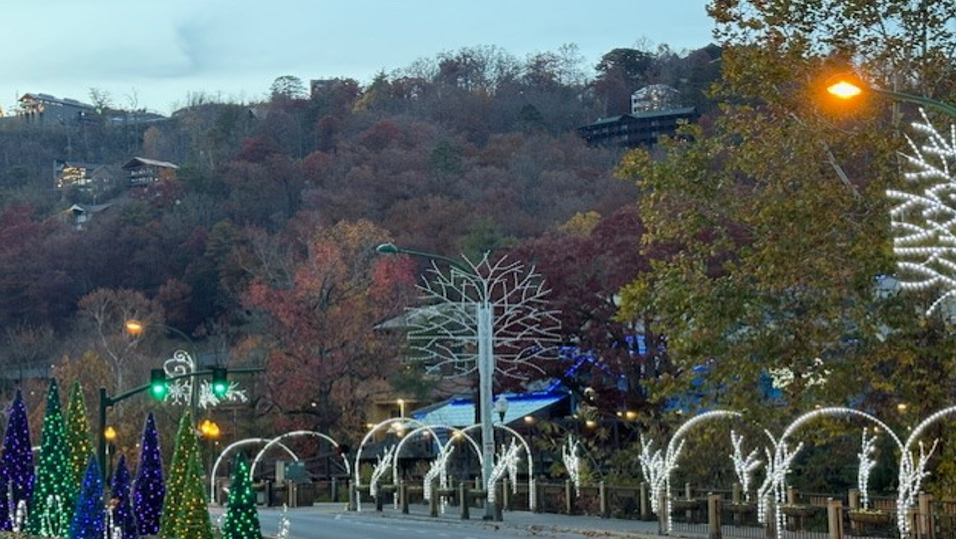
(695, 512)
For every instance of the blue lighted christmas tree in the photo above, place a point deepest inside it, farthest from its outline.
(120, 501)
(16, 463)
(149, 490)
(54, 493)
(89, 513)
(242, 518)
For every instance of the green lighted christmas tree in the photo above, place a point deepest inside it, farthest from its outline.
(54, 494)
(192, 516)
(78, 433)
(242, 517)
(186, 446)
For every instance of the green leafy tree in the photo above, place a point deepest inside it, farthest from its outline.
(770, 228)
(54, 493)
(78, 433)
(242, 518)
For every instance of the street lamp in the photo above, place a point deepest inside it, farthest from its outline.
(110, 435)
(501, 406)
(486, 363)
(849, 86)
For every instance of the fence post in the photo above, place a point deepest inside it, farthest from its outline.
(602, 499)
(463, 494)
(379, 499)
(662, 515)
(353, 497)
(568, 500)
(925, 521)
(505, 495)
(433, 501)
(736, 496)
(713, 516)
(403, 496)
(645, 501)
(835, 518)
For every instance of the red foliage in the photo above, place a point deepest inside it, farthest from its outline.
(329, 360)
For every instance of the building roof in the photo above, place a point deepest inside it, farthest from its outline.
(142, 161)
(460, 412)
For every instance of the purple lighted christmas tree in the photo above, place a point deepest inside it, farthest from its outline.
(16, 464)
(88, 514)
(122, 515)
(150, 487)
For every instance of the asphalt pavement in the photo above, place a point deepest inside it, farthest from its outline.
(531, 523)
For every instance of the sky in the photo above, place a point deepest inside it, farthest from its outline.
(155, 54)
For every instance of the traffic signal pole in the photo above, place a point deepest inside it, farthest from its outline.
(107, 401)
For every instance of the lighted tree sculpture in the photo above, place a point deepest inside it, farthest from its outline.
(149, 490)
(78, 433)
(923, 219)
(242, 518)
(186, 447)
(54, 494)
(88, 515)
(522, 327)
(16, 465)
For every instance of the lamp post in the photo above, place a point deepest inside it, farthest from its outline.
(110, 435)
(135, 328)
(849, 86)
(486, 361)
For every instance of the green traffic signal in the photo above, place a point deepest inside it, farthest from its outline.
(220, 384)
(158, 387)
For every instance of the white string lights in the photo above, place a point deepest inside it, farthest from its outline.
(867, 463)
(572, 462)
(744, 466)
(923, 220)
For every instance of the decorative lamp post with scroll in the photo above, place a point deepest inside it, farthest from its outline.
(498, 310)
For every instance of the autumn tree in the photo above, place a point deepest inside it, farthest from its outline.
(323, 304)
(773, 226)
(585, 264)
(105, 313)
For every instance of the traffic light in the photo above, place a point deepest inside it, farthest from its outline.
(158, 387)
(220, 385)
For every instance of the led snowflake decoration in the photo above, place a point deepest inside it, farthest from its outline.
(180, 391)
(923, 219)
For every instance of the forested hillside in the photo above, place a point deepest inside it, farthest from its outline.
(262, 247)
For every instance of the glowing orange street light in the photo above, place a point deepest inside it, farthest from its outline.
(849, 86)
(209, 429)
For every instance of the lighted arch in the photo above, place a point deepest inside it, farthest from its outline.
(430, 430)
(780, 486)
(368, 436)
(294, 434)
(532, 501)
(237, 445)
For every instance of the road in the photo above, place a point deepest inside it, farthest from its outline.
(348, 525)
(362, 526)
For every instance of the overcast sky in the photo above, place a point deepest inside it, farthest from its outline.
(159, 52)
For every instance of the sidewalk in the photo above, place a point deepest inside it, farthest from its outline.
(533, 522)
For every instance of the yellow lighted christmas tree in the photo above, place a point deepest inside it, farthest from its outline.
(78, 434)
(192, 515)
(186, 446)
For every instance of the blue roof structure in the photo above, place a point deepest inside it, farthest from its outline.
(460, 412)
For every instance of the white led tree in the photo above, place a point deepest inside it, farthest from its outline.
(489, 317)
(923, 219)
